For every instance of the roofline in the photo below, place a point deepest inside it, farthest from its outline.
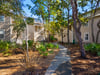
(90, 11)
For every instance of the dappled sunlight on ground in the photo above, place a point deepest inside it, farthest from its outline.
(12, 65)
(80, 66)
(9, 64)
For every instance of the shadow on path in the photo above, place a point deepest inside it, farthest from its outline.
(64, 69)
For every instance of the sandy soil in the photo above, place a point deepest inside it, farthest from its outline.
(14, 64)
(80, 66)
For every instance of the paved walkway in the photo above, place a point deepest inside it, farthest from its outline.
(60, 64)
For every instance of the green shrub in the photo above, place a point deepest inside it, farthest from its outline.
(49, 45)
(13, 45)
(98, 47)
(7, 47)
(45, 49)
(52, 38)
(42, 50)
(57, 46)
(93, 48)
(4, 46)
(30, 44)
(98, 53)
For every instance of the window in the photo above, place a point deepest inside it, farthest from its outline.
(1, 34)
(86, 36)
(1, 18)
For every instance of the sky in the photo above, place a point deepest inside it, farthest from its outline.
(27, 11)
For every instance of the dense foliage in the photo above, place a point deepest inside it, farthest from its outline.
(93, 48)
(11, 7)
(6, 47)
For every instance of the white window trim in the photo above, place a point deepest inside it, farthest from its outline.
(4, 33)
(88, 36)
(4, 18)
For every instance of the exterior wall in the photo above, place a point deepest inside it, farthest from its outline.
(39, 33)
(33, 34)
(70, 37)
(23, 34)
(84, 30)
(10, 35)
(98, 11)
(30, 33)
(87, 29)
(59, 36)
(6, 27)
(96, 29)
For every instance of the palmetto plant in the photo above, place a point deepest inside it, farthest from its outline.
(45, 49)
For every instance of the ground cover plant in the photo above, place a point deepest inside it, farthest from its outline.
(17, 64)
(52, 38)
(46, 48)
(93, 48)
(7, 47)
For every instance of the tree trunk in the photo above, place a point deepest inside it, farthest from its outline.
(92, 20)
(44, 32)
(97, 36)
(77, 29)
(49, 19)
(80, 40)
(16, 37)
(98, 25)
(27, 40)
(68, 28)
(62, 35)
(92, 30)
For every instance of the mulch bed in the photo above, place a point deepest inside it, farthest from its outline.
(80, 66)
(10, 65)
